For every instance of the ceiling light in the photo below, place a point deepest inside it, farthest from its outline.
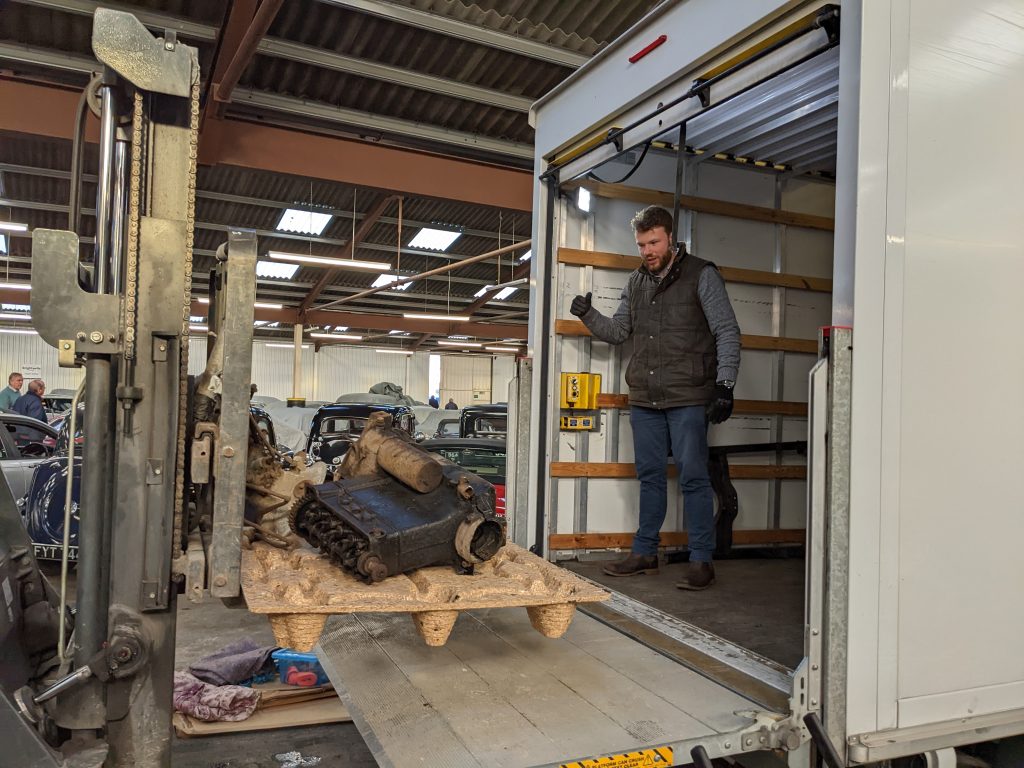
(383, 280)
(16, 286)
(583, 199)
(16, 307)
(526, 256)
(434, 239)
(504, 293)
(202, 299)
(427, 316)
(446, 343)
(267, 305)
(275, 270)
(379, 266)
(393, 351)
(14, 316)
(502, 349)
(3, 243)
(303, 222)
(512, 341)
(196, 318)
(16, 330)
(399, 333)
(456, 337)
(336, 336)
(13, 226)
(197, 327)
(283, 346)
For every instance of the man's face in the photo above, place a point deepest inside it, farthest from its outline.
(17, 381)
(655, 248)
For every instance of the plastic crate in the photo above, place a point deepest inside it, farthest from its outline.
(300, 669)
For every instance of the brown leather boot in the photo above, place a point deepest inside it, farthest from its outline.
(700, 576)
(632, 565)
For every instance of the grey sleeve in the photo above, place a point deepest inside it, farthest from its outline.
(722, 321)
(615, 329)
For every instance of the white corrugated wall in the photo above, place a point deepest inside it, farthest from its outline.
(342, 370)
(19, 351)
(466, 379)
(502, 370)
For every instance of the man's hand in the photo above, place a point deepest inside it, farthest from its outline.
(581, 305)
(720, 407)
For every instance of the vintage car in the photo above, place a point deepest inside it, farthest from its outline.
(435, 422)
(336, 427)
(484, 421)
(483, 456)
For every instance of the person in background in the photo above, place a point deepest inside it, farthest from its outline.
(12, 391)
(450, 405)
(31, 403)
(433, 401)
(686, 355)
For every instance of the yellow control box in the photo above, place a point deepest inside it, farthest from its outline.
(580, 390)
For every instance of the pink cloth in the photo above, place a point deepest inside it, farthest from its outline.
(208, 702)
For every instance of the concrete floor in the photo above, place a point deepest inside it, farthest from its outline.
(756, 603)
(207, 626)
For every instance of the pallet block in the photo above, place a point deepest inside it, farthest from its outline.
(299, 589)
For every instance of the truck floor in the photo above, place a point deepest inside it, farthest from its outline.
(755, 603)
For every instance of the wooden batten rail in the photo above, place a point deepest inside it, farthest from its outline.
(671, 539)
(599, 469)
(740, 407)
(706, 205)
(747, 341)
(575, 257)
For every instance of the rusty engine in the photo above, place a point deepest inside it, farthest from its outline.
(394, 507)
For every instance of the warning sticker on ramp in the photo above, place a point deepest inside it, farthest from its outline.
(658, 757)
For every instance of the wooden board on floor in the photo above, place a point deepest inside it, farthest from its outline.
(319, 711)
(497, 696)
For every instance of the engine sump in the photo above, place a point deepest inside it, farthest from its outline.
(375, 527)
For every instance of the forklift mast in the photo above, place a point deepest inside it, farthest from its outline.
(105, 695)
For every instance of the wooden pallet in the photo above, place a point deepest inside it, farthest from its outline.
(300, 589)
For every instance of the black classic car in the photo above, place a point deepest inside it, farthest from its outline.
(336, 427)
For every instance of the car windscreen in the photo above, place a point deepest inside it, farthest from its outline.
(489, 464)
(337, 426)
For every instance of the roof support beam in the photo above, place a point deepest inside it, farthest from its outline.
(246, 49)
(46, 111)
(329, 274)
(465, 31)
(156, 22)
(521, 271)
(229, 39)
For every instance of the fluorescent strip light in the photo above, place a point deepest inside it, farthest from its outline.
(583, 199)
(16, 286)
(336, 336)
(502, 349)
(3, 244)
(275, 270)
(267, 305)
(196, 318)
(16, 307)
(383, 280)
(526, 256)
(504, 293)
(283, 346)
(434, 239)
(452, 318)
(393, 351)
(396, 333)
(13, 226)
(197, 327)
(379, 266)
(445, 343)
(512, 341)
(202, 299)
(16, 330)
(303, 222)
(14, 316)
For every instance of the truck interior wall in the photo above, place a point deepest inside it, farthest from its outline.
(729, 242)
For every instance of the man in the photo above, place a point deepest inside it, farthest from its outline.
(450, 405)
(31, 403)
(433, 401)
(686, 356)
(12, 391)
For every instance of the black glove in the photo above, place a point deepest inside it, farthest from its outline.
(720, 407)
(581, 305)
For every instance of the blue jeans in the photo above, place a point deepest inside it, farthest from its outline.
(685, 429)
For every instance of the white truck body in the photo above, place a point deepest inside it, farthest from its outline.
(914, 620)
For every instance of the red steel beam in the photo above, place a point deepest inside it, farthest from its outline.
(246, 49)
(229, 39)
(329, 274)
(46, 111)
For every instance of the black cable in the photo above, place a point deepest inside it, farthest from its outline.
(633, 170)
(78, 157)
